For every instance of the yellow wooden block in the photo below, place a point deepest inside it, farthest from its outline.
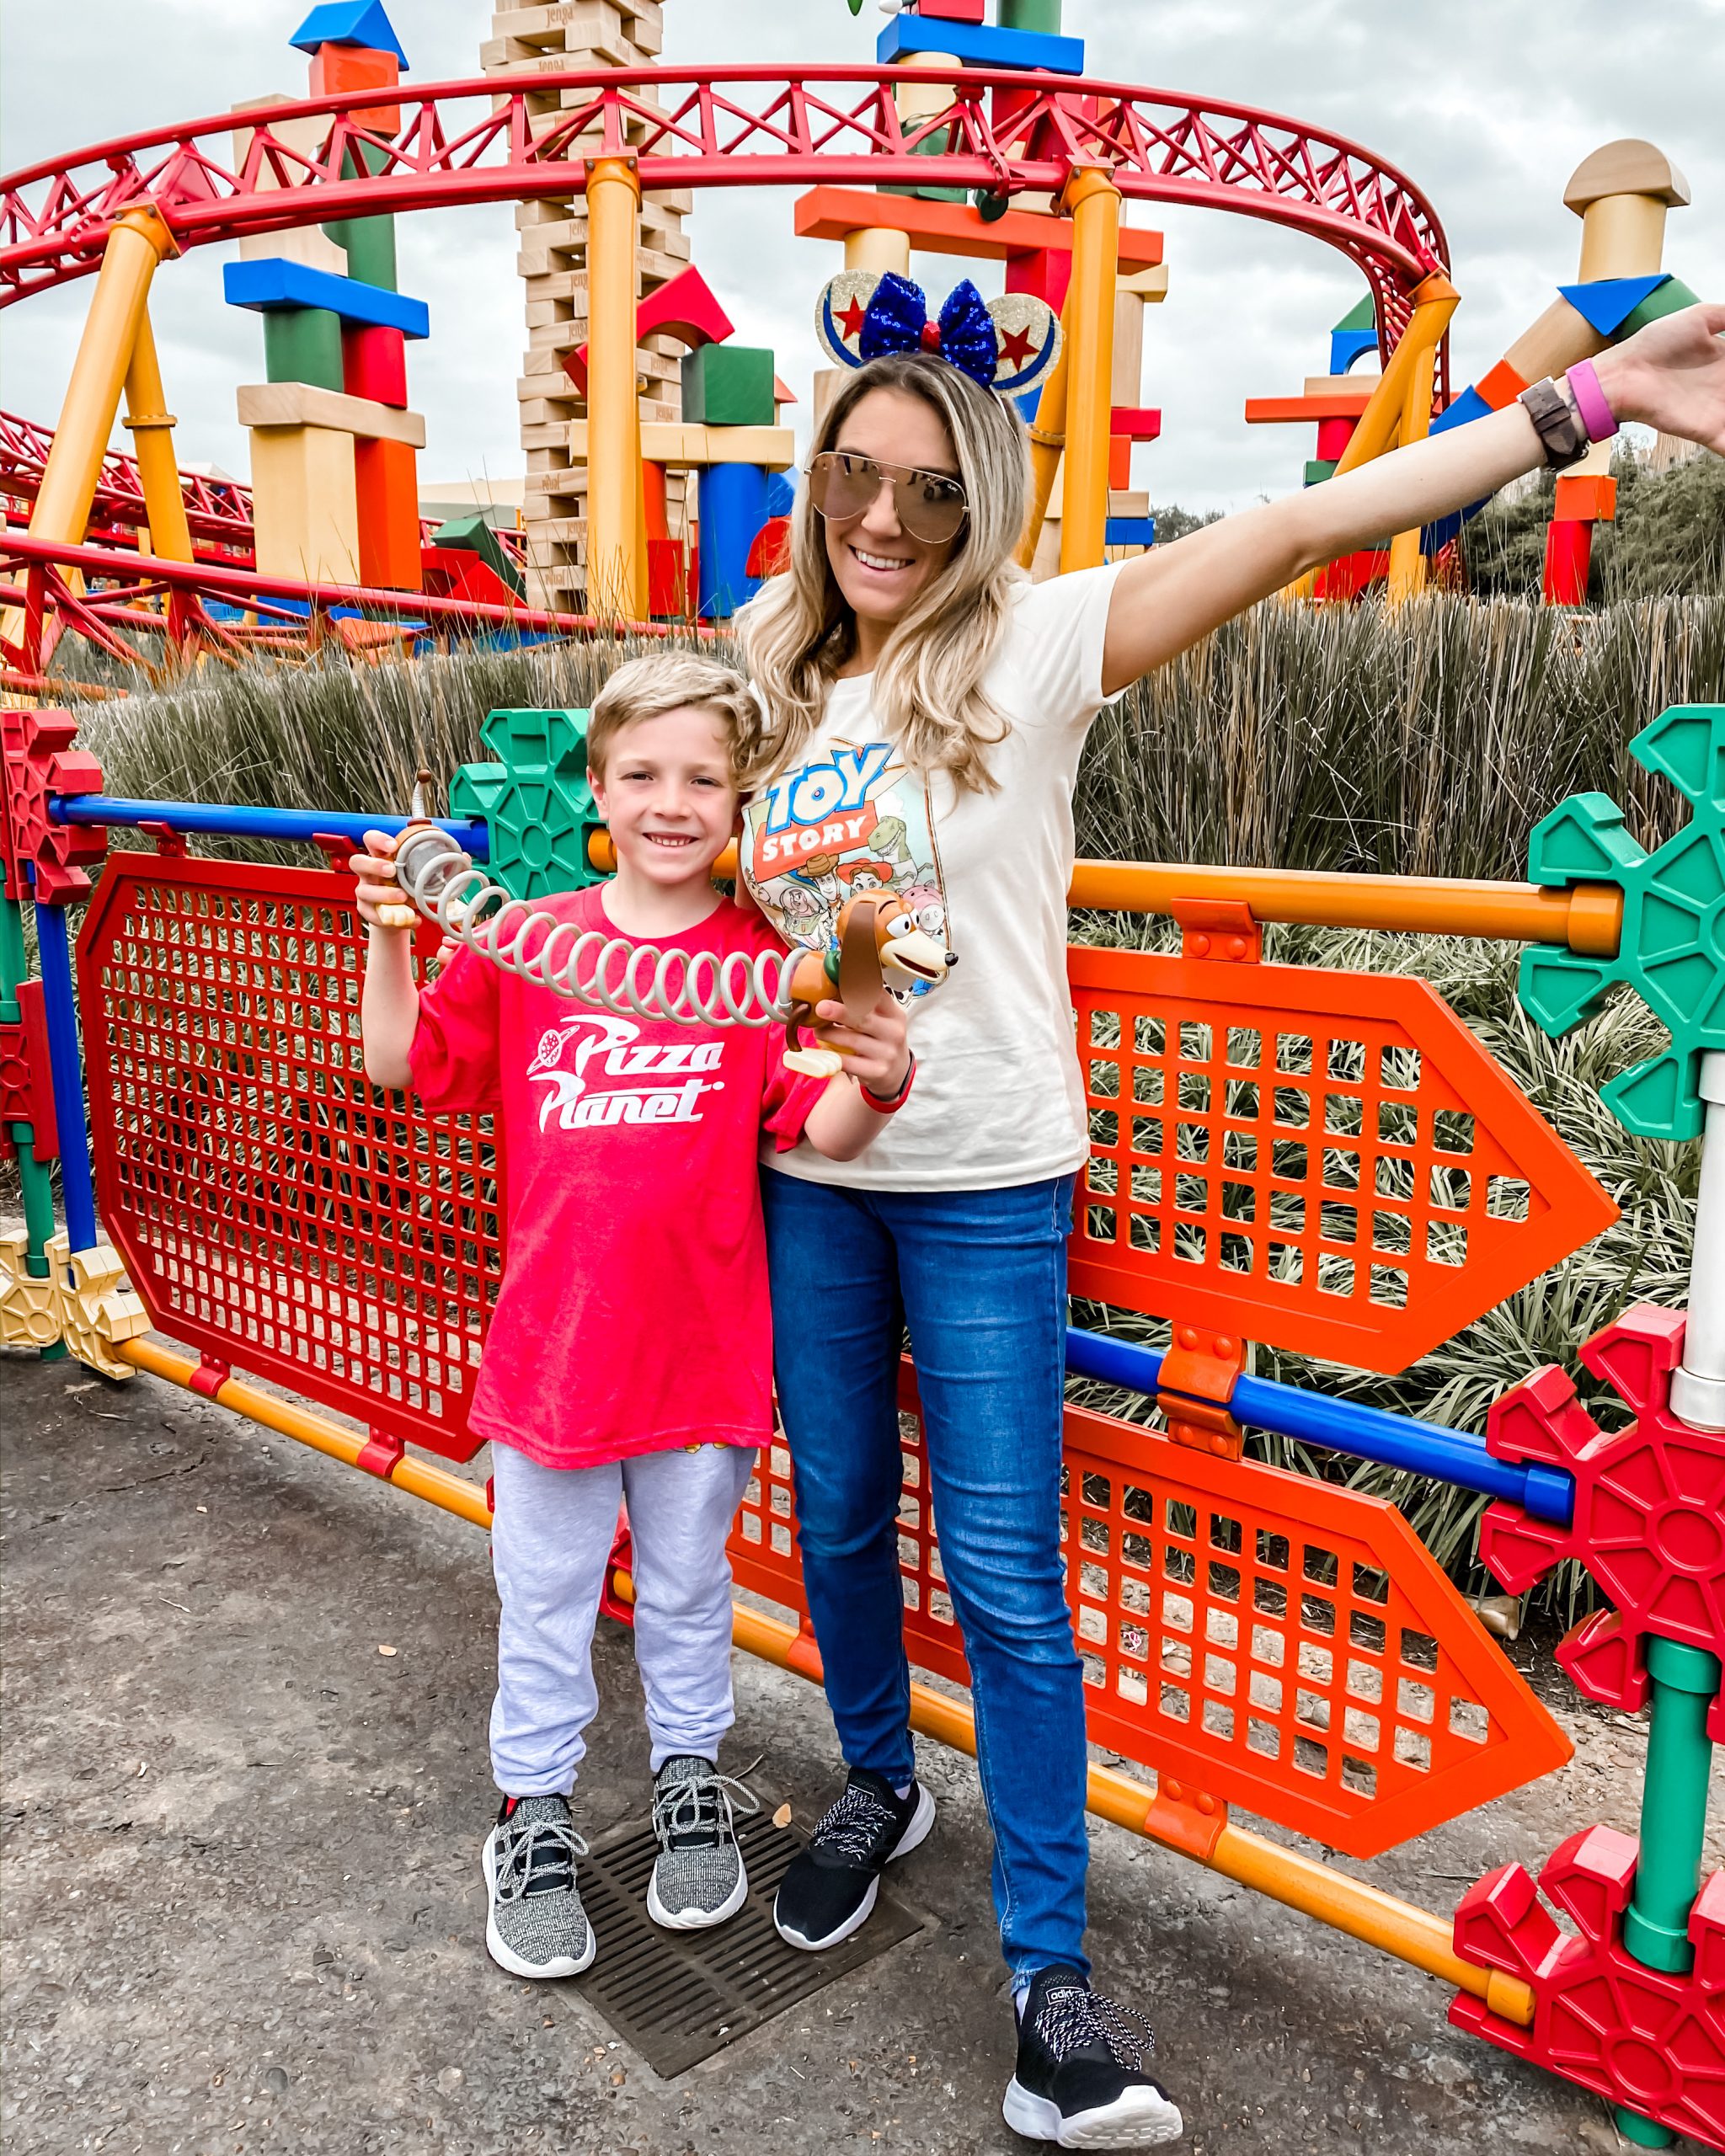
(310, 244)
(1339, 385)
(1150, 284)
(304, 506)
(303, 404)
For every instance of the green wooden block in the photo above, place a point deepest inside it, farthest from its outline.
(370, 242)
(302, 343)
(1671, 298)
(1319, 468)
(1041, 16)
(728, 386)
(472, 535)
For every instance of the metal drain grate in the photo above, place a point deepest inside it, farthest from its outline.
(677, 1997)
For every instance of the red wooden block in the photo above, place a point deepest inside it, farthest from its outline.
(770, 553)
(453, 573)
(1139, 422)
(1501, 386)
(337, 68)
(1045, 273)
(669, 583)
(1568, 556)
(684, 307)
(1119, 460)
(1333, 437)
(385, 479)
(1585, 498)
(950, 11)
(374, 363)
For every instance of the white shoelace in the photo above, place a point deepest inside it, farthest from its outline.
(704, 1801)
(1071, 2017)
(545, 1844)
(853, 1826)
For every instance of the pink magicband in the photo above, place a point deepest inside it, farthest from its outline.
(1596, 414)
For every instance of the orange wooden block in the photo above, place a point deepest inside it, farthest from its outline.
(337, 67)
(1121, 460)
(1501, 386)
(385, 479)
(1585, 498)
(1278, 411)
(954, 227)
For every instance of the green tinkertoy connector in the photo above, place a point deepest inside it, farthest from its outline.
(1672, 951)
(535, 798)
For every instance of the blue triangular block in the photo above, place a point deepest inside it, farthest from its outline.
(348, 21)
(1607, 302)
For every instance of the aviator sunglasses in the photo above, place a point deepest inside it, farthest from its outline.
(930, 505)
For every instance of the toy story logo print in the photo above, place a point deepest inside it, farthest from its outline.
(847, 822)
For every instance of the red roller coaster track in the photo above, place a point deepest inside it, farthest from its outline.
(477, 142)
(218, 511)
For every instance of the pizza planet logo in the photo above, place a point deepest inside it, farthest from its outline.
(820, 809)
(573, 1058)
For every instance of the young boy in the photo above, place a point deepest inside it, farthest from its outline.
(629, 1354)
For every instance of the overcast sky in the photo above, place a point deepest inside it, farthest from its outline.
(1488, 105)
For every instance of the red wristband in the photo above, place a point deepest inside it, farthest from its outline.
(1590, 400)
(891, 1107)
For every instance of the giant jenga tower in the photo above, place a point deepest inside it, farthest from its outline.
(541, 39)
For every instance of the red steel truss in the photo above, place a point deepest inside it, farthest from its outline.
(219, 511)
(753, 127)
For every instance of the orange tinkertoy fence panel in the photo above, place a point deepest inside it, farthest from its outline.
(1276, 1642)
(1322, 1160)
(274, 1209)
(1281, 1643)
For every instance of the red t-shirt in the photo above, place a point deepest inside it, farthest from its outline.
(634, 1313)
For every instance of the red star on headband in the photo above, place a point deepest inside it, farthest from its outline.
(1017, 350)
(850, 321)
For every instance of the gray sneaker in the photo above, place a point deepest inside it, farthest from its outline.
(698, 1877)
(536, 1926)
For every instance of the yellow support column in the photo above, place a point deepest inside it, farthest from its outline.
(105, 355)
(152, 425)
(1047, 442)
(1094, 202)
(1434, 301)
(615, 577)
(1406, 563)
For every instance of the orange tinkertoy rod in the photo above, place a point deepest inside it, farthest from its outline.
(1418, 1936)
(1588, 917)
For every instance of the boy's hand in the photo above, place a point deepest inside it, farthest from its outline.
(380, 900)
(877, 1053)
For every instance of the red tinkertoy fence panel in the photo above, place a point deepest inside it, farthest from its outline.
(1281, 1643)
(272, 1208)
(1322, 1160)
(1278, 1642)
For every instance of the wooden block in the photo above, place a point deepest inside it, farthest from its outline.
(1501, 386)
(1585, 498)
(305, 509)
(338, 67)
(955, 229)
(684, 444)
(1561, 337)
(303, 344)
(374, 363)
(387, 501)
(951, 11)
(310, 244)
(1119, 460)
(300, 404)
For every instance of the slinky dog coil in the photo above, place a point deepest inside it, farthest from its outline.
(445, 886)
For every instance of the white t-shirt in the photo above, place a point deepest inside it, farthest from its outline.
(998, 1098)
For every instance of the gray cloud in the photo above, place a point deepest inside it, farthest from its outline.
(1466, 101)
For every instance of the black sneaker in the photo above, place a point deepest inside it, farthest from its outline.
(830, 1885)
(1078, 2082)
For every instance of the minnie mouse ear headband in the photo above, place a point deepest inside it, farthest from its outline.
(1009, 345)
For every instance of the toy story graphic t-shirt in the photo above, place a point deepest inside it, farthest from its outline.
(997, 1099)
(634, 1313)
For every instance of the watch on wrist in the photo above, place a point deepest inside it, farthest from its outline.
(1561, 429)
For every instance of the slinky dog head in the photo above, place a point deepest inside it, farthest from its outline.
(910, 956)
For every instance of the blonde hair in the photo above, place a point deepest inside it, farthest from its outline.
(798, 632)
(668, 680)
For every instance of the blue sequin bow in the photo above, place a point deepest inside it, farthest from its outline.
(897, 321)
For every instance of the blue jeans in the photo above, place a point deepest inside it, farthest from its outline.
(980, 1278)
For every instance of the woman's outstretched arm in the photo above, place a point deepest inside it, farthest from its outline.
(1670, 376)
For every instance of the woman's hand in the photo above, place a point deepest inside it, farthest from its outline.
(380, 903)
(877, 1052)
(1671, 375)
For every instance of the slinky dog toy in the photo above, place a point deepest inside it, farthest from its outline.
(632, 979)
(879, 946)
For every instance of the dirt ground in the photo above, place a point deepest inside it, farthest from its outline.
(243, 1909)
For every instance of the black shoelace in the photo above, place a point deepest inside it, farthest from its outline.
(1070, 2017)
(858, 1826)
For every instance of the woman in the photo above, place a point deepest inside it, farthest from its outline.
(907, 669)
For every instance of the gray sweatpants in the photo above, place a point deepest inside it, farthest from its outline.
(550, 1538)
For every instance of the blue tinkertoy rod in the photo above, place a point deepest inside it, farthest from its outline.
(1456, 1456)
(230, 820)
(60, 1014)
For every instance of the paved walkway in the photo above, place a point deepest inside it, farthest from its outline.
(243, 1903)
